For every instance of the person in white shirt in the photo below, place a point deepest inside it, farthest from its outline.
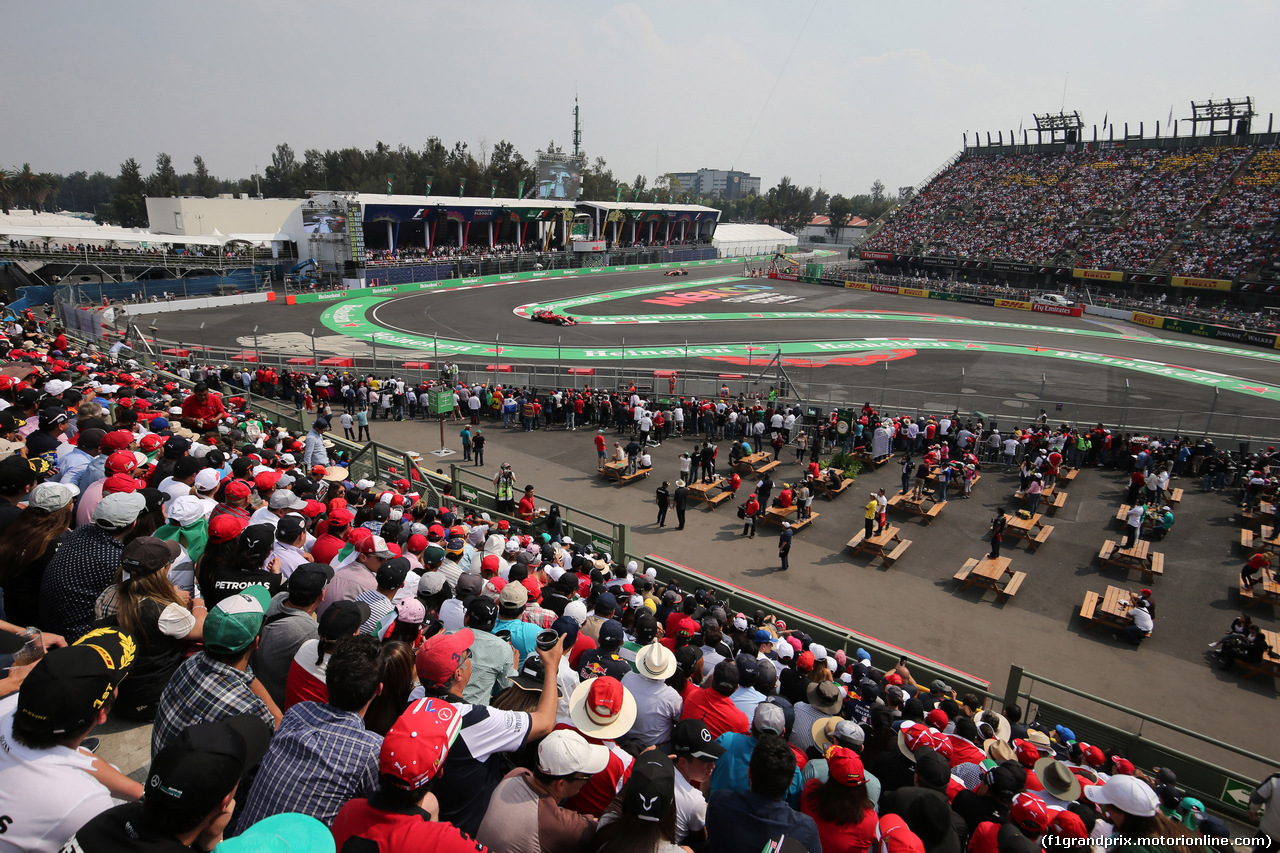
(291, 537)
(694, 753)
(51, 788)
(1141, 622)
(184, 477)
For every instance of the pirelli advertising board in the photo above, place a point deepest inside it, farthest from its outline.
(1201, 283)
(1098, 275)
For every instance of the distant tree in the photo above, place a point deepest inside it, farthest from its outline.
(598, 182)
(877, 190)
(163, 182)
(8, 191)
(128, 207)
(280, 179)
(790, 207)
(203, 183)
(839, 211)
(28, 184)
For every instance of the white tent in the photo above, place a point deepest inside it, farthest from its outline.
(735, 240)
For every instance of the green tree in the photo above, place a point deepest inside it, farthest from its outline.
(163, 182)
(8, 190)
(128, 207)
(280, 179)
(203, 184)
(85, 192)
(29, 186)
(877, 190)
(598, 182)
(839, 211)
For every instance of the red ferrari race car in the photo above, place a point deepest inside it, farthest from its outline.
(545, 316)
(681, 271)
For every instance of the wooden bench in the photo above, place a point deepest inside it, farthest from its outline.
(897, 552)
(903, 503)
(1011, 588)
(1090, 605)
(963, 574)
(1040, 539)
(1108, 548)
(822, 485)
(777, 515)
(856, 541)
(1246, 540)
(1174, 496)
(626, 479)
(873, 461)
(1058, 502)
(1068, 475)
(1157, 565)
(715, 500)
(1246, 594)
(767, 467)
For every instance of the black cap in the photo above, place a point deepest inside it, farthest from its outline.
(193, 774)
(310, 578)
(52, 416)
(933, 768)
(482, 612)
(748, 667)
(154, 498)
(343, 618)
(651, 790)
(67, 687)
(530, 675)
(693, 739)
(258, 539)
(391, 574)
(646, 627)
(290, 527)
(1006, 779)
(725, 677)
(175, 446)
(15, 475)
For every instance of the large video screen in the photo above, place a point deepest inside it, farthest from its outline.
(323, 222)
(559, 178)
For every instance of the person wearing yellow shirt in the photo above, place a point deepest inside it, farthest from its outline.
(873, 505)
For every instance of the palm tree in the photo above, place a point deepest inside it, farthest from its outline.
(49, 183)
(7, 190)
(28, 186)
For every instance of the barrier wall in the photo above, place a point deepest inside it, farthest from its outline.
(415, 286)
(145, 308)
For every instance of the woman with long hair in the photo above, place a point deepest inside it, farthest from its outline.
(841, 806)
(647, 821)
(160, 618)
(28, 544)
(1132, 807)
(397, 675)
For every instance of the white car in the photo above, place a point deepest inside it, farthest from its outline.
(1052, 299)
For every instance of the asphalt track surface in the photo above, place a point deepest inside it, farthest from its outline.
(844, 338)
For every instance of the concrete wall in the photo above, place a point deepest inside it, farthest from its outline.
(194, 304)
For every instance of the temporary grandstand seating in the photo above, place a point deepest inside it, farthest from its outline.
(1207, 211)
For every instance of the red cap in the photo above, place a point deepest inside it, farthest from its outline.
(415, 748)
(534, 588)
(605, 700)
(313, 509)
(845, 766)
(237, 489)
(895, 837)
(340, 516)
(490, 564)
(151, 442)
(917, 737)
(1067, 824)
(225, 527)
(686, 627)
(317, 470)
(1093, 756)
(394, 548)
(417, 543)
(1122, 766)
(804, 661)
(1027, 752)
(117, 439)
(1029, 813)
(121, 462)
(441, 656)
(402, 485)
(266, 481)
(119, 483)
(504, 525)
(937, 718)
(435, 531)
(893, 678)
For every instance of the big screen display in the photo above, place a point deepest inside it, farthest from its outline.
(559, 178)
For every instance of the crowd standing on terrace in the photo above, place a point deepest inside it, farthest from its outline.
(333, 664)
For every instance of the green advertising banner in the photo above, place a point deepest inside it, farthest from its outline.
(441, 402)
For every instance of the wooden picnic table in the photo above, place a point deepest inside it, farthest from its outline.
(1265, 540)
(1252, 518)
(822, 486)
(777, 515)
(1267, 591)
(877, 545)
(617, 471)
(990, 573)
(711, 493)
(1046, 495)
(1270, 663)
(1109, 608)
(907, 503)
(1140, 557)
(1149, 520)
(757, 463)
(1029, 529)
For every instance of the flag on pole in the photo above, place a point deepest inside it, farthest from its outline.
(520, 190)
(430, 178)
(618, 198)
(389, 177)
(637, 198)
(462, 186)
(1170, 115)
(1104, 119)
(493, 189)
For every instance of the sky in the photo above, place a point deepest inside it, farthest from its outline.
(833, 94)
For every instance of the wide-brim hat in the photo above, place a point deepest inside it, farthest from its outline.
(655, 662)
(998, 750)
(1003, 730)
(592, 723)
(827, 708)
(1054, 776)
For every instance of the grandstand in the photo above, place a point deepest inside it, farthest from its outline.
(1157, 210)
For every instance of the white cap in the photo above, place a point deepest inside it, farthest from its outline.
(651, 573)
(831, 664)
(565, 752)
(576, 610)
(1127, 793)
(364, 484)
(54, 387)
(206, 481)
(784, 651)
(819, 650)
(186, 510)
(740, 623)
(632, 567)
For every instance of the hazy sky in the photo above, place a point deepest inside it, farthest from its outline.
(872, 90)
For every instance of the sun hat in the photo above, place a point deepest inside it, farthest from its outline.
(602, 708)
(655, 662)
(1127, 793)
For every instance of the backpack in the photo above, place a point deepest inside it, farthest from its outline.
(742, 510)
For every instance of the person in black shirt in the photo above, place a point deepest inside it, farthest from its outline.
(247, 566)
(993, 797)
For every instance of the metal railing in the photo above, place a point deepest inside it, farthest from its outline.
(167, 260)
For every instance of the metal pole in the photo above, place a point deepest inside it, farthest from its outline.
(257, 354)
(623, 369)
(373, 339)
(435, 348)
(1212, 406)
(883, 382)
(496, 348)
(204, 351)
(557, 379)
(684, 385)
(315, 362)
(1124, 406)
(1043, 379)
(959, 391)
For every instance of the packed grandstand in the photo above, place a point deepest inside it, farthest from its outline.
(1210, 211)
